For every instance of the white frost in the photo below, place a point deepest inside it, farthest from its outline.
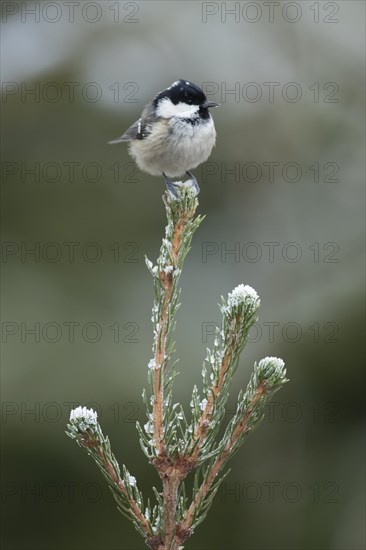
(203, 404)
(151, 364)
(243, 294)
(85, 415)
(276, 362)
(132, 480)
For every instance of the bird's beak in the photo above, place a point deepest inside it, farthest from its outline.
(208, 104)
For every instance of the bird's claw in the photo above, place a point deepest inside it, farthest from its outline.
(172, 187)
(194, 181)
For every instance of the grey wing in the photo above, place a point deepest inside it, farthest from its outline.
(140, 129)
(133, 132)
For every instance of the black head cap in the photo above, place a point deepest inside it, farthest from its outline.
(182, 91)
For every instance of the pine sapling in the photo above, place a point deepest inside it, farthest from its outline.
(174, 444)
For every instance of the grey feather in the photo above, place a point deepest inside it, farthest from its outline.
(139, 129)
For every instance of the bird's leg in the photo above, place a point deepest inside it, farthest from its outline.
(170, 185)
(195, 182)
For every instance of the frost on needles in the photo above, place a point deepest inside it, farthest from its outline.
(177, 445)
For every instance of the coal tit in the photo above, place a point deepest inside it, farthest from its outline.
(174, 134)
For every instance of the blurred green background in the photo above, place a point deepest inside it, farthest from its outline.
(284, 197)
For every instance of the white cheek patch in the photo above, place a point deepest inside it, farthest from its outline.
(167, 109)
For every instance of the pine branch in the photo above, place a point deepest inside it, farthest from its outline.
(268, 377)
(238, 317)
(85, 429)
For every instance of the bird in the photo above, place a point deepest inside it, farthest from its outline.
(174, 134)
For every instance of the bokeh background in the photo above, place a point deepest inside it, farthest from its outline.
(283, 193)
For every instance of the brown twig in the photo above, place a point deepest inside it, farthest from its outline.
(240, 429)
(207, 413)
(161, 338)
(170, 472)
(158, 383)
(170, 493)
(118, 481)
